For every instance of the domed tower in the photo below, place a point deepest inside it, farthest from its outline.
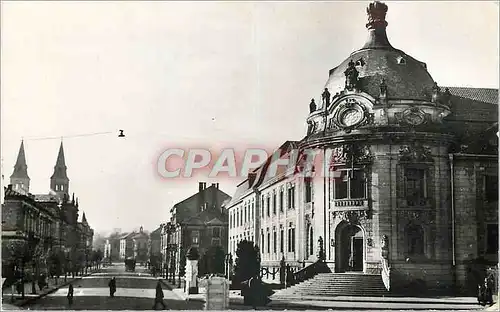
(380, 128)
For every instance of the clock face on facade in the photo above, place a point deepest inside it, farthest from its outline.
(351, 112)
(351, 117)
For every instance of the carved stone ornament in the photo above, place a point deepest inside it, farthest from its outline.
(417, 215)
(347, 153)
(415, 153)
(350, 114)
(351, 216)
(412, 116)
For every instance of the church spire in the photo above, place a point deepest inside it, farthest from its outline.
(59, 181)
(84, 219)
(19, 178)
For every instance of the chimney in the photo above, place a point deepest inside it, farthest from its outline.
(201, 186)
(217, 185)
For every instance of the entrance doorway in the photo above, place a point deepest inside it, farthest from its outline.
(349, 250)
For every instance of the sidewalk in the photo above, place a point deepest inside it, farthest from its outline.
(28, 296)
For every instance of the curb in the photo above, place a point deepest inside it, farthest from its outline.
(51, 291)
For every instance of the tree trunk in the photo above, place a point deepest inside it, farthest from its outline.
(33, 278)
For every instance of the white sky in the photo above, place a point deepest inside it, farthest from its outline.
(194, 74)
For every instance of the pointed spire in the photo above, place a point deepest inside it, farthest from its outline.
(60, 167)
(84, 219)
(73, 199)
(76, 202)
(20, 168)
(60, 157)
(19, 178)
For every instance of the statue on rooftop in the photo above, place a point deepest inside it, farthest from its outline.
(351, 76)
(312, 106)
(436, 91)
(326, 96)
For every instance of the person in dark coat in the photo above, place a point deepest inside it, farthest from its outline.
(112, 287)
(70, 295)
(159, 297)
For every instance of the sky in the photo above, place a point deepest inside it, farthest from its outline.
(194, 74)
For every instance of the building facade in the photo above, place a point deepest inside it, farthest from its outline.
(127, 245)
(199, 221)
(141, 246)
(112, 247)
(40, 230)
(407, 184)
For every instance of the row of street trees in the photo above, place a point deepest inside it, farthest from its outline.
(33, 259)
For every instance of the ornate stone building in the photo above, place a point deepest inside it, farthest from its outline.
(38, 228)
(198, 221)
(411, 190)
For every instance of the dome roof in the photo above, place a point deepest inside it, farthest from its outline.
(377, 62)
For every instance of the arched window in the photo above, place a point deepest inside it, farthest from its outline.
(414, 240)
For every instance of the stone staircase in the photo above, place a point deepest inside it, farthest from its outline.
(336, 284)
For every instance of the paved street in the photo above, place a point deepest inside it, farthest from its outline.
(135, 291)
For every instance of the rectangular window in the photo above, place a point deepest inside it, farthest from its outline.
(308, 189)
(293, 240)
(492, 238)
(268, 210)
(491, 188)
(293, 196)
(268, 242)
(275, 242)
(241, 217)
(358, 184)
(289, 198)
(245, 213)
(216, 232)
(262, 241)
(290, 240)
(195, 235)
(253, 208)
(415, 184)
(262, 207)
(274, 203)
(350, 184)
(282, 245)
(341, 184)
(281, 201)
(215, 241)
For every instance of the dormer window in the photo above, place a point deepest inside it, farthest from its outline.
(401, 60)
(360, 62)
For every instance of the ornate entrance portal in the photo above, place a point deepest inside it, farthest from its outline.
(349, 251)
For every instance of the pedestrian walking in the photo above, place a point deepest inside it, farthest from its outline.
(112, 287)
(159, 297)
(70, 295)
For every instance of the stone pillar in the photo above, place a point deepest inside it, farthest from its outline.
(192, 270)
(217, 294)
(192, 276)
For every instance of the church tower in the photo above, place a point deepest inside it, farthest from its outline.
(19, 179)
(59, 181)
